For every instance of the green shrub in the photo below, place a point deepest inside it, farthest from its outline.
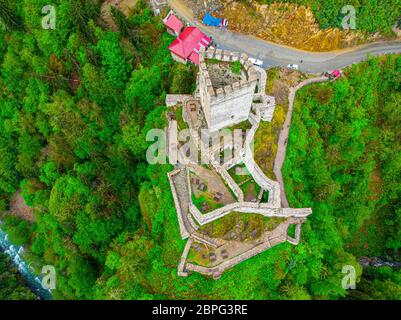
(236, 67)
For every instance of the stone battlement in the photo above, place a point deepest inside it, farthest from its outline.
(226, 56)
(225, 103)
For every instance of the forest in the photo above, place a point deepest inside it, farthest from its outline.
(75, 105)
(344, 160)
(12, 285)
(371, 15)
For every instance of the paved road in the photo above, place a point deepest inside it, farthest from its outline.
(277, 55)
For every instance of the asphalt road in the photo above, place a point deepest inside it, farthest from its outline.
(276, 55)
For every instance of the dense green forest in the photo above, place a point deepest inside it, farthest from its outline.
(344, 160)
(75, 105)
(12, 285)
(371, 15)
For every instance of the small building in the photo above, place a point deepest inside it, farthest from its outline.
(173, 24)
(187, 45)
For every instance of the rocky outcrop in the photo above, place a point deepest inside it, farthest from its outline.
(378, 262)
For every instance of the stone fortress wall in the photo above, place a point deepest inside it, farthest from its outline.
(227, 106)
(277, 236)
(267, 104)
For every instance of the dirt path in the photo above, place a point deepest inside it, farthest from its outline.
(182, 9)
(19, 208)
(283, 138)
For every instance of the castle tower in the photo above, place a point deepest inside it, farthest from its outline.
(226, 96)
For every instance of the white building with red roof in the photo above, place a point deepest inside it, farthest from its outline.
(187, 45)
(173, 24)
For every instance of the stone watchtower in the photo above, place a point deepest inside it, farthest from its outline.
(225, 95)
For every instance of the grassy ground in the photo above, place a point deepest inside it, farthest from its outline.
(204, 197)
(244, 125)
(251, 190)
(248, 186)
(272, 76)
(266, 138)
(197, 258)
(239, 178)
(243, 223)
(291, 230)
(181, 124)
(265, 196)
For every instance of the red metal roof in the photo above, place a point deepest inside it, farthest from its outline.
(188, 43)
(172, 22)
(194, 57)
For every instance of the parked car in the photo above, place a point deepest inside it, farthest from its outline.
(293, 66)
(335, 74)
(256, 62)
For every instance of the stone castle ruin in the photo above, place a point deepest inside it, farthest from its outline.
(227, 98)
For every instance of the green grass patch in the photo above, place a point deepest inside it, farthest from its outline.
(181, 124)
(249, 226)
(250, 189)
(244, 125)
(265, 196)
(291, 230)
(236, 67)
(265, 143)
(239, 173)
(272, 75)
(204, 197)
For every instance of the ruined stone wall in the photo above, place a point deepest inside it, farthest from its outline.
(247, 207)
(183, 231)
(181, 265)
(174, 99)
(268, 103)
(275, 237)
(228, 179)
(266, 107)
(273, 187)
(297, 236)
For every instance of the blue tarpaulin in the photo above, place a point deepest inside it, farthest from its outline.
(209, 20)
